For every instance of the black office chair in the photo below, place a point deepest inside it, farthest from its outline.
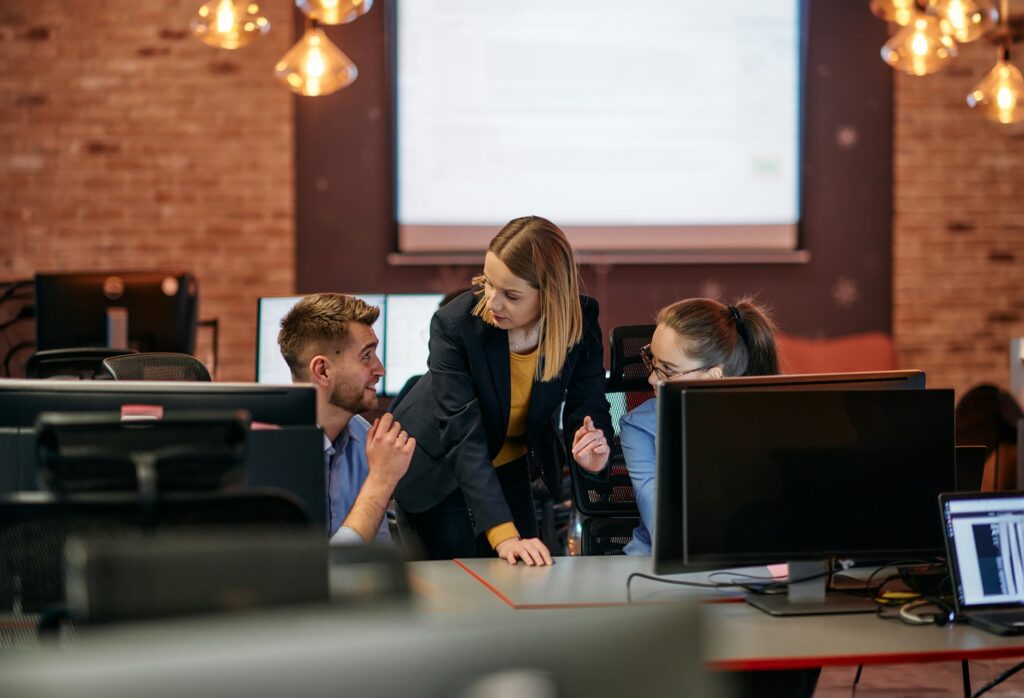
(600, 536)
(626, 389)
(17, 326)
(84, 363)
(987, 415)
(99, 452)
(156, 366)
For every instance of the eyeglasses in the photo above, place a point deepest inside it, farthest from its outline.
(647, 356)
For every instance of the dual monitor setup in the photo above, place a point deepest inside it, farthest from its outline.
(403, 329)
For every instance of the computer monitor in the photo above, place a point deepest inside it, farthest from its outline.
(284, 405)
(288, 458)
(860, 380)
(403, 329)
(747, 477)
(141, 310)
(668, 549)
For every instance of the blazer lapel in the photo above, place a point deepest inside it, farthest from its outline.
(496, 349)
(544, 402)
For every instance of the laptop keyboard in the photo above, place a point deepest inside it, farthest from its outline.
(1012, 619)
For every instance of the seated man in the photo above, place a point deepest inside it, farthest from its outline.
(328, 340)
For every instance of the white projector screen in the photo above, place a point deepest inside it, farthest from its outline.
(648, 125)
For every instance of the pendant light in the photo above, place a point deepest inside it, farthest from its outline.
(314, 66)
(1000, 94)
(965, 20)
(334, 11)
(920, 48)
(896, 11)
(229, 24)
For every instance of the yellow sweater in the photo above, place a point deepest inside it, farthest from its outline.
(523, 369)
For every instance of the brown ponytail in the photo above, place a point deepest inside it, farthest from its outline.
(740, 338)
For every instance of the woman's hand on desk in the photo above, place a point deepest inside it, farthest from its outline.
(529, 550)
(590, 447)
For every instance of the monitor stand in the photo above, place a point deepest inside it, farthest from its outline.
(117, 327)
(809, 597)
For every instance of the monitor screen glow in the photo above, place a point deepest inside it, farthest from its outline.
(403, 330)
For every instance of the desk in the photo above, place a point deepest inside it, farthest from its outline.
(440, 585)
(586, 582)
(742, 638)
(738, 636)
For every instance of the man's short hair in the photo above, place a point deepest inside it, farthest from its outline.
(317, 321)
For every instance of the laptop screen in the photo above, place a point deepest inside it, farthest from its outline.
(985, 542)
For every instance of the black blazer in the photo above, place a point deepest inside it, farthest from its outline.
(459, 412)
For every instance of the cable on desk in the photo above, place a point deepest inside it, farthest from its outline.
(897, 564)
(720, 585)
(907, 610)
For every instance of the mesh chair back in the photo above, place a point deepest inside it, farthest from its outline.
(97, 451)
(628, 372)
(81, 362)
(626, 389)
(156, 366)
(606, 536)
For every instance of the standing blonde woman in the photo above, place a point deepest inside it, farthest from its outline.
(502, 358)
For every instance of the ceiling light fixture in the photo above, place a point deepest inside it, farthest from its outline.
(927, 42)
(313, 66)
(229, 24)
(999, 95)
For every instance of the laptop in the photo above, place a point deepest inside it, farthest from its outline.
(985, 550)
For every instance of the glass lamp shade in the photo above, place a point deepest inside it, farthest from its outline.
(920, 48)
(896, 11)
(229, 24)
(965, 20)
(314, 66)
(1000, 94)
(334, 11)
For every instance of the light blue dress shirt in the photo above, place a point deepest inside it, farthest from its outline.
(637, 429)
(345, 471)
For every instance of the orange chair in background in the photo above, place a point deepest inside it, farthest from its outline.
(865, 351)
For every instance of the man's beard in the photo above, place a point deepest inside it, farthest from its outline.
(352, 399)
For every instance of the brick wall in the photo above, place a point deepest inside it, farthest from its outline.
(958, 227)
(127, 144)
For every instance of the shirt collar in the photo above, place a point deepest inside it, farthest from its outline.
(351, 433)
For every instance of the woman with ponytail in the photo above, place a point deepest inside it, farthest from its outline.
(695, 339)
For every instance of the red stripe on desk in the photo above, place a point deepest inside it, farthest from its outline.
(780, 663)
(483, 581)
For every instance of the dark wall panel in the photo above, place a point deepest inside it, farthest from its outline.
(345, 192)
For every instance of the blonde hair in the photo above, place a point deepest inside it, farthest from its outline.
(537, 251)
(740, 338)
(317, 320)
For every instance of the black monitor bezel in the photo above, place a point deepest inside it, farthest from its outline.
(59, 296)
(21, 400)
(669, 555)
